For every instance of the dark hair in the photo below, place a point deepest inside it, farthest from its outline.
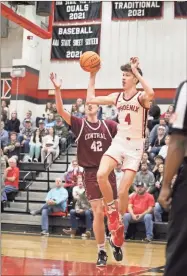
(127, 68)
(34, 136)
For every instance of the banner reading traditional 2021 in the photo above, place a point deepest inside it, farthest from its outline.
(70, 42)
(125, 10)
(77, 10)
(180, 8)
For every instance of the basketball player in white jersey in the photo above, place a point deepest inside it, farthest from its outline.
(127, 146)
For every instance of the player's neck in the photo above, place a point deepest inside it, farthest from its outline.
(92, 119)
(130, 92)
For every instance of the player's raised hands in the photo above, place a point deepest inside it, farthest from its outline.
(57, 84)
(94, 73)
(134, 62)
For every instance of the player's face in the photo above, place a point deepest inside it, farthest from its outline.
(91, 109)
(128, 80)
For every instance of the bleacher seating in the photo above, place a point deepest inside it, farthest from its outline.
(16, 217)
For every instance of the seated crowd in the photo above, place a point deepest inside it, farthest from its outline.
(37, 138)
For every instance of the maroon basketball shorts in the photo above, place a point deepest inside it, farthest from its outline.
(92, 187)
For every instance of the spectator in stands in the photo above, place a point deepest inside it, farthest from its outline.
(164, 149)
(109, 112)
(11, 177)
(158, 160)
(14, 123)
(169, 110)
(3, 168)
(48, 109)
(99, 113)
(158, 182)
(83, 211)
(28, 118)
(75, 112)
(158, 210)
(25, 135)
(5, 110)
(50, 144)
(140, 209)
(79, 188)
(156, 145)
(80, 106)
(145, 159)
(13, 147)
(75, 168)
(54, 110)
(50, 122)
(154, 115)
(62, 132)
(56, 201)
(154, 132)
(119, 174)
(41, 128)
(145, 176)
(3, 135)
(35, 146)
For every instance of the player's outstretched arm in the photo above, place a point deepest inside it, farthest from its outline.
(148, 94)
(92, 99)
(59, 103)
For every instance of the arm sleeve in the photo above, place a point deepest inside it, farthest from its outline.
(151, 201)
(179, 118)
(48, 196)
(152, 180)
(131, 200)
(112, 126)
(76, 124)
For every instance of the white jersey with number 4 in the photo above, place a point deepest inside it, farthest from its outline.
(132, 117)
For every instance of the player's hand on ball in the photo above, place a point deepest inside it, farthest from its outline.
(94, 73)
(134, 62)
(53, 78)
(165, 198)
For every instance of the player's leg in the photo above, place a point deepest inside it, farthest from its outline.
(123, 193)
(99, 230)
(95, 197)
(176, 251)
(107, 164)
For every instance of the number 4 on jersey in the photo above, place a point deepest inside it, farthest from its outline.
(128, 119)
(96, 146)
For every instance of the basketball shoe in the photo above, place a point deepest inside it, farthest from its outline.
(102, 258)
(117, 251)
(117, 236)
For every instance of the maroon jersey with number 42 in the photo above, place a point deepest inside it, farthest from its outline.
(93, 140)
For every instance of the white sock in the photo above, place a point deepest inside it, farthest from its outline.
(101, 247)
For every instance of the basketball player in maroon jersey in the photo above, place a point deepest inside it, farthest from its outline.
(93, 138)
(127, 146)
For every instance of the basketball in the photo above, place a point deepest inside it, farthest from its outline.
(90, 61)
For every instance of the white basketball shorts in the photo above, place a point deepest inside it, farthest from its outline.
(127, 152)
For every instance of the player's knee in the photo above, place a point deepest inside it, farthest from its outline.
(102, 176)
(99, 214)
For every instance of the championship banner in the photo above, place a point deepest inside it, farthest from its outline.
(70, 42)
(180, 8)
(66, 11)
(125, 10)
